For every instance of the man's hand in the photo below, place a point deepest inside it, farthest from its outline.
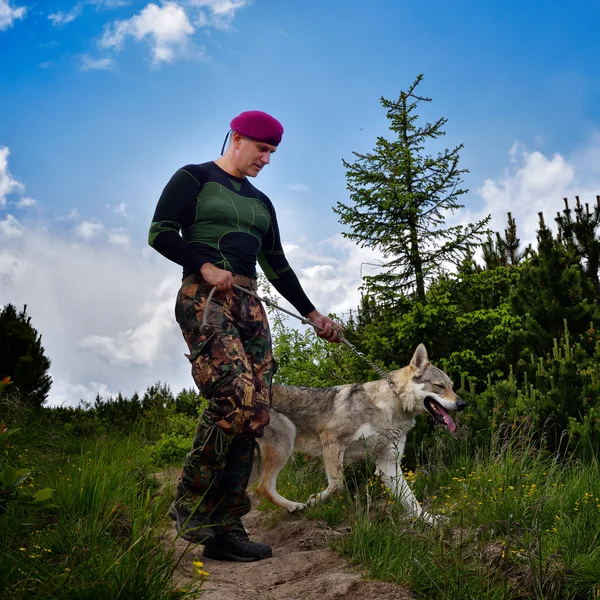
(221, 279)
(331, 331)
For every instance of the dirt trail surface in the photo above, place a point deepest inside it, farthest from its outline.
(303, 566)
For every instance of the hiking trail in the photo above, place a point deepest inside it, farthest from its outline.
(303, 566)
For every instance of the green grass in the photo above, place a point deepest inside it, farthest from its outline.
(103, 537)
(521, 524)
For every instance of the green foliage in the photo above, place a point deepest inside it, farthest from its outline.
(522, 525)
(401, 196)
(580, 235)
(176, 442)
(552, 287)
(22, 357)
(504, 251)
(149, 416)
(466, 324)
(13, 479)
(304, 359)
(189, 402)
(102, 539)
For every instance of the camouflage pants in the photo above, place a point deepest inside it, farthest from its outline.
(233, 366)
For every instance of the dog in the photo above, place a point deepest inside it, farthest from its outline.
(346, 421)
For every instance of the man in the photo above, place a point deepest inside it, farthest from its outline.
(227, 225)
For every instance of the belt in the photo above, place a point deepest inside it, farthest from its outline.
(242, 280)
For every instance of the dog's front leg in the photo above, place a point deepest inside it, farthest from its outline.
(333, 457)
(390, 471)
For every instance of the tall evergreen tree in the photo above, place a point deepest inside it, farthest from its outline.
(401, 196)
(581, 235)
(505, 251)
(552, 288)
(22, 356)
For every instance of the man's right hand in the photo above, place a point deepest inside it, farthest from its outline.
(221, 279)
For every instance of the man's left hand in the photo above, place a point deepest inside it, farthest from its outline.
(326, 328)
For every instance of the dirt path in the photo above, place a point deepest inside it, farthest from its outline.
(302, 568)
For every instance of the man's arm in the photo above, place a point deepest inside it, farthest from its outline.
(280, 274)
(173, 211)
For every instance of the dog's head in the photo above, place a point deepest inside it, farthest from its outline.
(432, 389)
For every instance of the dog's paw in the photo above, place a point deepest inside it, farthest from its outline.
(435, 520)
(313, 500)
(294, 507)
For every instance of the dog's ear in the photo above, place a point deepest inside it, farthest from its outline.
(420, 360)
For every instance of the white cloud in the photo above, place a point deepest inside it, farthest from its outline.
(119, 237)
(143, 344)
(87, 230)
(120, 209)
(59, 18)
(72, 215)
(108, 4)
(94, 64)
(8, 184)
(165, 27)
(299, 187)
(105, 312)
(67, 393)
(218, 13)
(26, 202)
(8, 14)
(536, 183)
(10, 227)
(331, 276)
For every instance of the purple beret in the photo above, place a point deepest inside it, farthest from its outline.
(258, 125)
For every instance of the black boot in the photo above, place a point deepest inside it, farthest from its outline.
(192, 527)
(236, 546)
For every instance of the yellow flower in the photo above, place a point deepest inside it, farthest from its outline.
(198, 564)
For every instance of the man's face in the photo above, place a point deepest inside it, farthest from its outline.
(252, 155)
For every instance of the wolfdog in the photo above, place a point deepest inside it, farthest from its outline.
(347, 421)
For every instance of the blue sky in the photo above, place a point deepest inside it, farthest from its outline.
(102, 100)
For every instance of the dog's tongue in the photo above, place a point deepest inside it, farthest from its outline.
(447, 418)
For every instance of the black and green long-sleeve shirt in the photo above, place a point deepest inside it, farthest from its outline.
(206, 215)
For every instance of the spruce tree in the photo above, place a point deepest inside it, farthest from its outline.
(552, 288)
(505, 251)
(401, 196)
(580, 234)
(22, 357)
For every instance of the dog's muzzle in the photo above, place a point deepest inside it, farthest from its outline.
(460, 404)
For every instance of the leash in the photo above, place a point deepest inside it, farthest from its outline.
(383, 374)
